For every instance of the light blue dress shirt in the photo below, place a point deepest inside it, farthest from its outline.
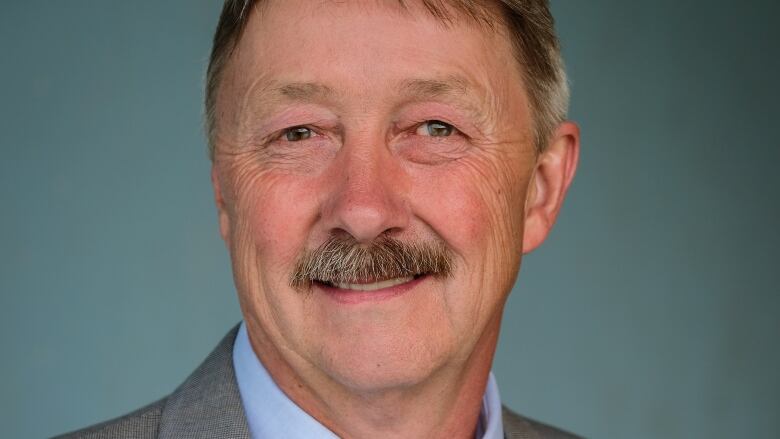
(271, 414)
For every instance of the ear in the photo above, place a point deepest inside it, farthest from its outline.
(219, 199)
(554, 171)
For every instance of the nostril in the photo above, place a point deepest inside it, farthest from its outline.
(366, 222)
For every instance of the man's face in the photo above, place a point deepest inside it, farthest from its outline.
(362, 121)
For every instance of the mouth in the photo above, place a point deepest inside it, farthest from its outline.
(358, 291)
(370, 285)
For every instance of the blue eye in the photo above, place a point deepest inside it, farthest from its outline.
(435, 128)
(296, 134)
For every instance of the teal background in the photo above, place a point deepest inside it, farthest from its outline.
(651, 312)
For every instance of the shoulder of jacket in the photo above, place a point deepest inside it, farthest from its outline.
(142, 423)
(519, 427)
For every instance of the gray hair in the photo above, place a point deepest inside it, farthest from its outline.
(342, 259)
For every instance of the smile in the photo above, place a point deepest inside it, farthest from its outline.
(374, 286)
(357, 292)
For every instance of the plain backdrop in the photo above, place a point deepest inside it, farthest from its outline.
(651, 312)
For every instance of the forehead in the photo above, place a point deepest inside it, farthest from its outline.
(373, 47)
(487, 13)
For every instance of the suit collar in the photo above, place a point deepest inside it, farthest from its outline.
(207, 404)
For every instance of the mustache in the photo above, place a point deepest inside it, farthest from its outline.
(341, 259)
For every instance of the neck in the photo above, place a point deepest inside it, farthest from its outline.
(445, 405)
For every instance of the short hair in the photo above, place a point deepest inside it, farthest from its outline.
(530, 27)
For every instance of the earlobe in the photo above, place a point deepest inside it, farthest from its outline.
(219, 200)
(550, 180)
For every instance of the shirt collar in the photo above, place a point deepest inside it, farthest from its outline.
(271, 414)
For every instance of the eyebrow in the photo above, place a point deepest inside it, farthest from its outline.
(260, 99)
(303, 91)
(422, 89)
(435, 88)
(453, 88)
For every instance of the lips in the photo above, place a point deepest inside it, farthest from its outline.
(355, 292)
(373, 286)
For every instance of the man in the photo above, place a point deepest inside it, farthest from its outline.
(379, 169)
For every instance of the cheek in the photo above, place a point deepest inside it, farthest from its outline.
(272, 211)
(476, 206)
(270, 216)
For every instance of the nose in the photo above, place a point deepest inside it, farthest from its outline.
(367, 196)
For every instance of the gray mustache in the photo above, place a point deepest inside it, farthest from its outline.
(342, 259)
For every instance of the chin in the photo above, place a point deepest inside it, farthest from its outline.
(368, 366)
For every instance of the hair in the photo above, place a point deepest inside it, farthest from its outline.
(530, 28)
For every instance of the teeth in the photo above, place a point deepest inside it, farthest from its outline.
(376, 285)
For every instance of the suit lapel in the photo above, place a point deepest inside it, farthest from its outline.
(208, 403)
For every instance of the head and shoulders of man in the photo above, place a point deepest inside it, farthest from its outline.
(379, 169)
(351, 129)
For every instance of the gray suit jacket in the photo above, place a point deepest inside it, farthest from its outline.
(208, 406)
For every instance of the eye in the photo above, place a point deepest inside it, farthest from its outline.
(435, 128)
(296, 134)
